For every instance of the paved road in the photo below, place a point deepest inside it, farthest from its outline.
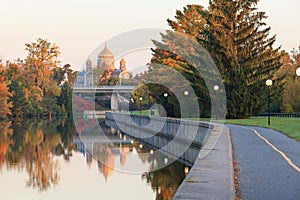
(269, 163)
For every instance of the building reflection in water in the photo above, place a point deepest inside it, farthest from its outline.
(164, 182)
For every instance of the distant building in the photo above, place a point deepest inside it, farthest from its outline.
(105, 67)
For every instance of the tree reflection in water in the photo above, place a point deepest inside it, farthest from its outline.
(5, 141)
(166, 181)
(33, 146)
(36, 147)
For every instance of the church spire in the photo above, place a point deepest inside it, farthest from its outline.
(123, 64)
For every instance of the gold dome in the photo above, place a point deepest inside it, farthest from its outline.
(105, 52)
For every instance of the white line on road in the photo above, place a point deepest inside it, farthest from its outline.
(289, 161)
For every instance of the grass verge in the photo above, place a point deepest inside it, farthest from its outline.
(288, 126)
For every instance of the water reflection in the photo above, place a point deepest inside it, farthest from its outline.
(165, 181)
(33, 147)
(38, 148)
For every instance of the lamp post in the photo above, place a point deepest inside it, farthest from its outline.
(141, 99)
(269, 84)
(216, 89)
(165, 102)
(298, 71)
(131, 103)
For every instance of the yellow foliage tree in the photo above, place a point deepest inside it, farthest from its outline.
(5, 105)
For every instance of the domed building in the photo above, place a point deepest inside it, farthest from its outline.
(106, 59)
(106, 68)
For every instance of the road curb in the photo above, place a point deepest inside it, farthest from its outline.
(211, 177)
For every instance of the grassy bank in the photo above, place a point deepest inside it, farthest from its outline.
(145, 112)
(288, 126)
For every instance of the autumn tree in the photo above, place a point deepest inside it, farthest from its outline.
(291, 92)
(5, 140)
(42, 58)
(5, 105)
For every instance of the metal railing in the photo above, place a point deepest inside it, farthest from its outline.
(281, 115)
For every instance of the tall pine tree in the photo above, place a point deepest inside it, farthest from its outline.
(236, 36)
(238, 39)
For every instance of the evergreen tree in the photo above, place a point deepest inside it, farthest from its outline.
(71, 74)
(161, 80)
(238, 39)
(65, 98)
(236, 36)
(19, 103)
(17, 89)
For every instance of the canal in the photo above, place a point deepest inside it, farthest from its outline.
(49, 160)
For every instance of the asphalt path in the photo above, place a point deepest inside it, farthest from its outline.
(269, 163)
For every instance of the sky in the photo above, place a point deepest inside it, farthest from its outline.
(78, 27)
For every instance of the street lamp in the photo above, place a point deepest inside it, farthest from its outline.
(298, 71)
(216, 89)
(141, 99)
(132, 102)
(165, 102)
(269, 84)
(186, 170)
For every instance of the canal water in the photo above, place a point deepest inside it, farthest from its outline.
(49, 160)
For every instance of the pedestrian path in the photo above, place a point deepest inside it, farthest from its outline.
(269, 163)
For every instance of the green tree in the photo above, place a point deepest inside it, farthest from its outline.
(17, 89)
(236, 36)
(239, 40)
(65, 99)
(19, 103)
(71, 74)
(59, 73)
(158, 81)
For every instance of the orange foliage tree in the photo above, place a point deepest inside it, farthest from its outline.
(41, 90)
(5, 105)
